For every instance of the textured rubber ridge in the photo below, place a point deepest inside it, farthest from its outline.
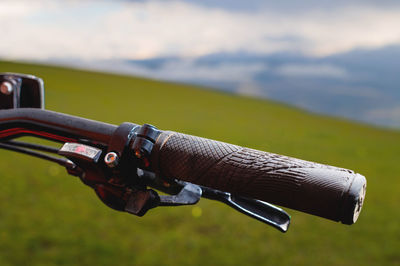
(305, 186)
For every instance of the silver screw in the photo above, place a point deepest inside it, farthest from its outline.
(6, 88)
(111, 159)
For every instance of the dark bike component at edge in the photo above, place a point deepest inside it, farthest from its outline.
(122, 164)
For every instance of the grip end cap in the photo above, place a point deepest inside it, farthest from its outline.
(355, 200)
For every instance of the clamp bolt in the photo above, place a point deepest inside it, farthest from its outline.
(111, 159)
(6, 88)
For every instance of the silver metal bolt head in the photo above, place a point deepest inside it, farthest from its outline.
(111, 159)
(6, 88)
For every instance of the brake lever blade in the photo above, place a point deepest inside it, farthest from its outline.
(260, 210)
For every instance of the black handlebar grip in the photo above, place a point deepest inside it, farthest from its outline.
(322, 190)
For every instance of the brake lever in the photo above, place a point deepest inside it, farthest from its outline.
(260, 210)
(185, 193)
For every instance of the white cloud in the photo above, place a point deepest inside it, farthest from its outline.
(45, 29)
(312, 71)
(182, 70)
(14, 9)
(225, 72)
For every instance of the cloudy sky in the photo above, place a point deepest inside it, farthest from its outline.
(148, 29)
(243, 46)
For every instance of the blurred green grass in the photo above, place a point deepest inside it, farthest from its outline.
(48, 217)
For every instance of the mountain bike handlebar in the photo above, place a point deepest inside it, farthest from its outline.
(167, 161)
(318, 189)
(52, 125)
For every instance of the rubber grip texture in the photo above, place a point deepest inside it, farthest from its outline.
(317, 189)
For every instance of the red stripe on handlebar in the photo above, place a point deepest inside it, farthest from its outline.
(16, 131)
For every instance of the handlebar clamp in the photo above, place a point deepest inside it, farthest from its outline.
(143, 144)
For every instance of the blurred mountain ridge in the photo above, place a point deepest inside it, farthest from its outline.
(362, 84)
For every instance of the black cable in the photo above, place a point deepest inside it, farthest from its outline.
(60, 161)
(32, 146)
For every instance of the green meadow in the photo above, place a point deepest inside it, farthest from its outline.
(49, 218)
